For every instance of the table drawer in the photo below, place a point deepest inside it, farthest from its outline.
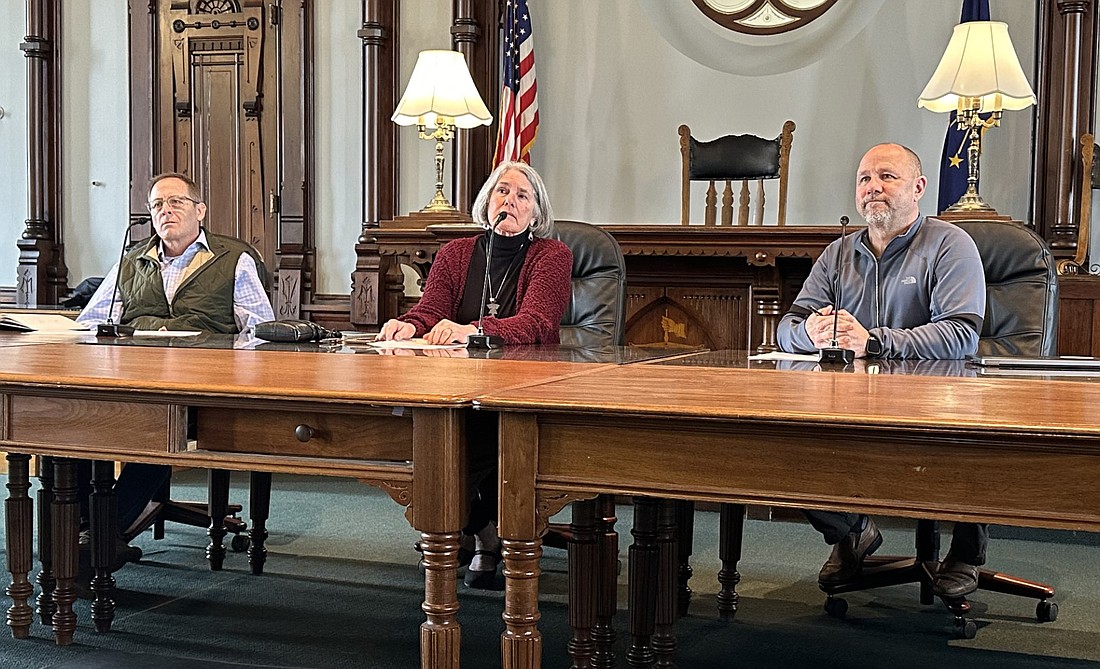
(61, 421)
(377, 434)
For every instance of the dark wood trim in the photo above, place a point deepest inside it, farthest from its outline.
(143, 73)
(381, 38)
(292, 190)
(42, 277)
(475, 32)
(381, 87)
(1066, 52)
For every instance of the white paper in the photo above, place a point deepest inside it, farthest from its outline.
(779, 355)
(166, 333)
(42, 322)
(417, 344)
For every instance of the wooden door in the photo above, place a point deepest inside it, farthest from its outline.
(208, 80)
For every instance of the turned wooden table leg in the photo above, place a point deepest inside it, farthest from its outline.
(731, 533)
(259, 507)
(607, 586)
(521, 642)
(44, 605)
(104, 530)
(685, 538)
(583, 591)
(664, 628)
(19, 516)
(217, 496)
(440, 634)
(643, 582)
(66, 526)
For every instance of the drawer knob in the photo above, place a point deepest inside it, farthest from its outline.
(303, 433)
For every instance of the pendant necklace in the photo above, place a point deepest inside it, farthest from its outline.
(493, 307)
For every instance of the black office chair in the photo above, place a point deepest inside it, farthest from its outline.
(1021, 319)
(596, 316)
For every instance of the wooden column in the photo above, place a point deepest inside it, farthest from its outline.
(381, 88)
(475, 33)
(42, 275)
(143, 159)
(291, 192)
(1067, 98)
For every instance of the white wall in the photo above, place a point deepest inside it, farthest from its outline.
(13, 137)
(612, 91)
(338, 142)
(95, 159)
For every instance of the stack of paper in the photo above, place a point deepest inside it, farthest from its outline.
(39, 323)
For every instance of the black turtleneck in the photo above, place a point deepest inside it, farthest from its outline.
(509, 254)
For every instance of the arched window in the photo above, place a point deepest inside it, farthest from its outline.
(217, 7)
(763, 17)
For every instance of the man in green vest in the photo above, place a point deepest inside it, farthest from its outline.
(183, 278)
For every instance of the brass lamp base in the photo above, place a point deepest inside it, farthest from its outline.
(971, 201)
(438, 204)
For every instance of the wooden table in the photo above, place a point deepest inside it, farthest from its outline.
(1008, 451)
(392, 421)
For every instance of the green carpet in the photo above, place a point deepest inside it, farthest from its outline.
(341, 589)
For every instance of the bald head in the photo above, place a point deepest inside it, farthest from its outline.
(889, 184)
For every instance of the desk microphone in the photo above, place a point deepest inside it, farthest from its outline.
(480, 340)
(833, 354)
(110, 328)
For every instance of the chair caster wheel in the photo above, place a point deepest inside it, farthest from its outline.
(239, 543)
(836, 607)
(1046, 612)
(965, 628)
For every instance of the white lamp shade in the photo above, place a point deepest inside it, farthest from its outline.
(441, 85)
(979, 63)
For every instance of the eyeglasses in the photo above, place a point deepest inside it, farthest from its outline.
(175, 202)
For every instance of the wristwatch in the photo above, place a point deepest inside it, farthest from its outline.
(874, 347)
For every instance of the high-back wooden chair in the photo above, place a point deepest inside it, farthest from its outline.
(744, 158)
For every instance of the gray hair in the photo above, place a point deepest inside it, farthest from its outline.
(543, 223)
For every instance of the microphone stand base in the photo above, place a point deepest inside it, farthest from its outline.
(834, 355)
(484, 341)
(114, 330)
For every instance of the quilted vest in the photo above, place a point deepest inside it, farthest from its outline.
(204, 298)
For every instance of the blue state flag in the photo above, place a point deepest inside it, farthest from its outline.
(953, 167)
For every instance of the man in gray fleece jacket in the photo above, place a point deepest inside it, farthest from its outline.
(910, 288)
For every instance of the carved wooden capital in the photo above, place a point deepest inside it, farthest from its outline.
(1074, 6)
(549, 503)
(373, 34)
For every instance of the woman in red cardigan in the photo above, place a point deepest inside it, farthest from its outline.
(528, 291)
(528, 275)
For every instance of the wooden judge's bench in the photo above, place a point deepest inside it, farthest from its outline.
(712, 286)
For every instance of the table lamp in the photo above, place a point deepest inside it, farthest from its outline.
(978, 74)
(440, 97)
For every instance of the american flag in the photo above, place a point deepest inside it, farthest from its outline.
(519, 104)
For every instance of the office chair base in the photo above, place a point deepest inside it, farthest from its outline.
(885, 570)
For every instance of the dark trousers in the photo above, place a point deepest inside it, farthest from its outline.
(136, 486)
(482, 448)
(968, 540)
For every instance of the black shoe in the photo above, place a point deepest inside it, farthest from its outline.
(123, 551)
(955, 578)
(484, 579)
(846, 560)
